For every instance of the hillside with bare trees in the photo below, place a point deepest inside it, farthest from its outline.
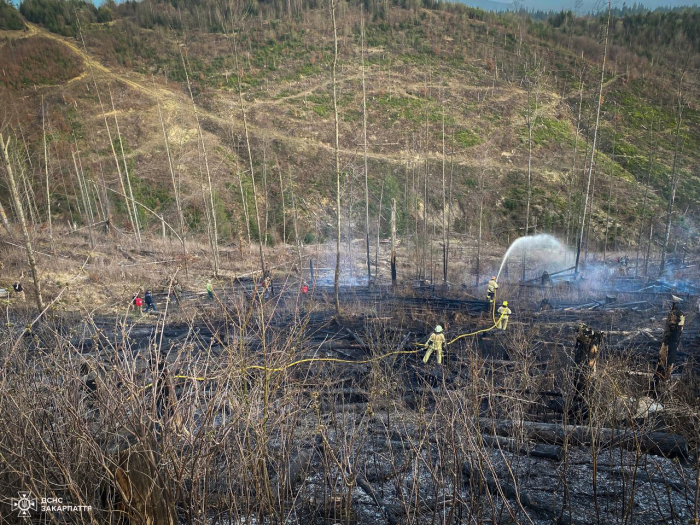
(246, 251)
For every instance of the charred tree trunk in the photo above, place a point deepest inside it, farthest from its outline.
(585, 356)
(655, 443)
(669, 348)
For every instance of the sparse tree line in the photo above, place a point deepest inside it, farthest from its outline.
(426, 211)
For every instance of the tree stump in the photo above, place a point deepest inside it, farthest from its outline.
(140, 494)
(669, 348)
(586, 356)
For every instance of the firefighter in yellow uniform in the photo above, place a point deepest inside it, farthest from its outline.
(503, 312)
(435, 343)
(491, 290)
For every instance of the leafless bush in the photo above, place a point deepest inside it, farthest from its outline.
(229, 434)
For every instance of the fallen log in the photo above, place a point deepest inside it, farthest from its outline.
(655, 443)
(540, 450)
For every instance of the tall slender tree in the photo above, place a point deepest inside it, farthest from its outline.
(213, 234)
(595, 136)
(336, 279)
(46, 170)
(23, 224)
(137, 226)
(261, 233)
(364, 143)
(673, 182)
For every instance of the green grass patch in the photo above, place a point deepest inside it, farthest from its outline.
(467, 138)
(549, 132)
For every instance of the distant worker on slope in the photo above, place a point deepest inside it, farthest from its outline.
(137, 301)
(210, 290)
(435, 342)
(150, 302)
(503, 312)
(491, 290)
(19, 291)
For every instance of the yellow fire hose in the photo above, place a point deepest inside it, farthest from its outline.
(349, 361)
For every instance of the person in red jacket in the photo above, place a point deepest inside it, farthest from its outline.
(138, 302)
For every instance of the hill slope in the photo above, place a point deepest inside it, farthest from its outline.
(472, 74)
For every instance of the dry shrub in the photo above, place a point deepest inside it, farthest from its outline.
(37, 61)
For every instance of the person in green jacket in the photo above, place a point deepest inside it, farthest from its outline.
(210, 290)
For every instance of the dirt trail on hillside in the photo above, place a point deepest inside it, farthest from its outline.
(169, 99)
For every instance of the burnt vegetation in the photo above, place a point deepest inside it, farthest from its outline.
(227, 156)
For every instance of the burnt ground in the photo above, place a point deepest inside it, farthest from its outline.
(413, 441)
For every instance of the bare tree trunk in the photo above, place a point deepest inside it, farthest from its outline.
(364, 140)
(137, 227)
(607, 214)
(46, 169)
(674, 177)
(482, 196)
(295, 218)
(450, 203)
(590, 218)
(20, 216)
(85, 203)
(595, 136)
(176, 185)
(5, 222)
(393, 243)
(652, 153)
(214, 235)
(336, 280)
(114, 152)
(250, 161)
(425, 219)
(573, 167)
(444, 203)
(379, 224)
(651, 234)
(244, 203)
(33, 212)
(83, 178)
(265, 192)
(284, 209)
(530, 124)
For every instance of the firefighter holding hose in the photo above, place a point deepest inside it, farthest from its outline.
(503, 312)
(491, 290)
(435, 343)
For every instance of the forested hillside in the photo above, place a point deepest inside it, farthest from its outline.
(498, 111)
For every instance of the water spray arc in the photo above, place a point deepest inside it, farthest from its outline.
(540, 243)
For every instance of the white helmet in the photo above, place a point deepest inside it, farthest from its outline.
(438, 329)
